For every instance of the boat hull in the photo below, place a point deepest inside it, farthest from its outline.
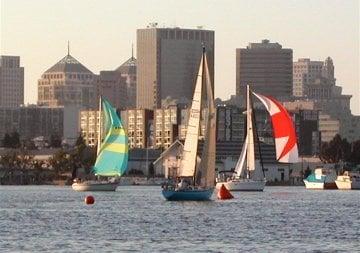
(243, 185)
(192, 195)
(320, 185)
(347, 185)
(94, 186)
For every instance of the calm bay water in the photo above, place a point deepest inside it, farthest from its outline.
(136, 218)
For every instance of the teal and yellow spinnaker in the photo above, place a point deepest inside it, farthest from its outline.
(112, 157)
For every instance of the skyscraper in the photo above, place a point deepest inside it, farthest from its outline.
(167, 63)
(112, 86)
(307, 73)
(11, 81)
(128, 71)
(266, 67)
(68, 82)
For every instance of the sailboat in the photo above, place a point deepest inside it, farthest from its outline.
(248, 175)
(112, 152)
(196, 179)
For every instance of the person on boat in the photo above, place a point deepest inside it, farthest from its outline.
(183, 184)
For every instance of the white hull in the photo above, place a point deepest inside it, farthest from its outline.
(242, 185)
(94, 186)
(314, 185)
(347, 185)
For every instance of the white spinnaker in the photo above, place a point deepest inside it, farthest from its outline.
(188, 161)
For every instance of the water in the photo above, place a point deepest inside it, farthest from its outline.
(135, 218)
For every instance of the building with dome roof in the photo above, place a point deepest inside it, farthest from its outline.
(67, 83)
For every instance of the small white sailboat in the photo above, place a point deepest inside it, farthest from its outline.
(348, 181)
(248, 175)
(112, 153)
(197, 180)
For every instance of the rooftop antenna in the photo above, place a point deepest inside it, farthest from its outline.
(68, 48)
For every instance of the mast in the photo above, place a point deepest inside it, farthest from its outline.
(202, 84)
(250, 154)
(99, 128)
(258, 141)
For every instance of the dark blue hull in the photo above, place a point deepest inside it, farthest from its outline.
(194, 195)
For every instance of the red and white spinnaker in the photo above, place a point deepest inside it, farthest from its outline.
(283, 128)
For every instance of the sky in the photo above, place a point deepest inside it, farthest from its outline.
(101, 33)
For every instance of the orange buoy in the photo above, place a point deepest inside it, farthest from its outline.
(89, 200)
(224, 193)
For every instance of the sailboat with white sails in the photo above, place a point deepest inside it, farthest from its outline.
(195, 179)
(249, 175)
(112, 152)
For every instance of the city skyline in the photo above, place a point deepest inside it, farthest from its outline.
(101, 35)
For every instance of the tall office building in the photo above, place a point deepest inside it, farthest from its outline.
(112, 86)
(266, 67)
(68, 82)
(11, 81)
(167, 63)
(305, 72)
(128, 71)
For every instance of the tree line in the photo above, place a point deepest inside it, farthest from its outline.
(340, 150)
(13, 140)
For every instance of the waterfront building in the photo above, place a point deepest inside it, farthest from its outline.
(141, 161)
(266, 67)
(328, 126)
(167, 62)
(166, 125)
(112, 86)
(68, 83)
(139, 126)
(137, 122)
(34, 121)
(11, 81)
(89, 126)
(230, 123)
(128, 71)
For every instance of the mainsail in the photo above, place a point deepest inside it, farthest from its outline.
(250, 152)
(207, 164)
(188, 161)
(112, 157)
(283, 128)
(246, 161)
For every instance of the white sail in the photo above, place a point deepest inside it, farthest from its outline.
(250, 161)
(239, 169)
(188, 161)
(207, 165)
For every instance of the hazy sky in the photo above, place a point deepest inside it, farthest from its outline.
(101, 33)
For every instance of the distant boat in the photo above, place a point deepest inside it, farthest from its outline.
(196, 181)
(321, 178)
(249, 174)
(112, 153)
(348, 181)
